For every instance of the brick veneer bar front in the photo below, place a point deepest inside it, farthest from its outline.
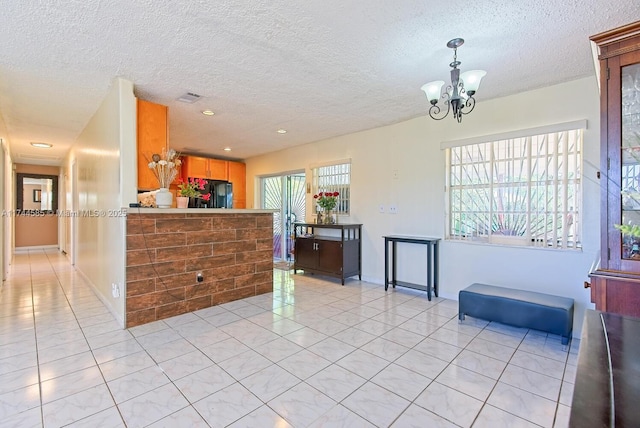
(167, 248)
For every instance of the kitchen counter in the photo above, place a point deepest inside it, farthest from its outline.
(182, 260)
(195, 210)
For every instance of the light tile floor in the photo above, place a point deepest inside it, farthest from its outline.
(312, 353)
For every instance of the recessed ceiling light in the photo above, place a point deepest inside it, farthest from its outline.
(42, 145)
(282, 131)
(208, 112)
(227, 149)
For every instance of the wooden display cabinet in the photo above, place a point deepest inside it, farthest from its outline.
(152, 138)
(615, 285)
(338, 255)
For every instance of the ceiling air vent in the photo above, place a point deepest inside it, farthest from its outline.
(189, 97)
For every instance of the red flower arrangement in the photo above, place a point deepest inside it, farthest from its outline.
(327, 200)
(192, 188)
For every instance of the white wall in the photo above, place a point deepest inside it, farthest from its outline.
(105, 157)
(412, 148)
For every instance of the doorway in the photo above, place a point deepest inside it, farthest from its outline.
(285, 193)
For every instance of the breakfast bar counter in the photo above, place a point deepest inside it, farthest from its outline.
(182, 260)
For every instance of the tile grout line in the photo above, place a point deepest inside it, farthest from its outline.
(35, 336)
(58, 280)
(369, 304)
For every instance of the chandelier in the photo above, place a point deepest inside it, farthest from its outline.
(458, 96)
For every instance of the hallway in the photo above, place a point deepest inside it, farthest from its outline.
(313, 353)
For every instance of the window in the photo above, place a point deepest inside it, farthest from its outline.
(334, 178)
(524, 190)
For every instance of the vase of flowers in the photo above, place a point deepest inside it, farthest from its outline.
(327, 201)
(192, 188)
(165, 168)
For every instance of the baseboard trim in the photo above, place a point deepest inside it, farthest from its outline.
(104, 301)
(21, 250)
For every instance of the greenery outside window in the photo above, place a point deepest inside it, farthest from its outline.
(335, 177)
(519, 190)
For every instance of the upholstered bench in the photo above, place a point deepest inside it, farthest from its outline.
(520, 308)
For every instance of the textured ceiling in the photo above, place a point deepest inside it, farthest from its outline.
(316, 68)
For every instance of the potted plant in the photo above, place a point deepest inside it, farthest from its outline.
(191, 189)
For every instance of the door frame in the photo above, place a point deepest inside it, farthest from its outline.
(284, 209)
(74, 209)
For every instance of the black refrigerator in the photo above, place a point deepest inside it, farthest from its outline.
(221, 195)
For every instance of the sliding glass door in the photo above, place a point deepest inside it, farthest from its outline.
(285, 193)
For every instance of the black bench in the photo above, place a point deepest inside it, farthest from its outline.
(520, 308)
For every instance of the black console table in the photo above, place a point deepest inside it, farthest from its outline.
(432, 262)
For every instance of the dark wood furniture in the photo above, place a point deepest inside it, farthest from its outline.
(432, 262)
(336, 251)
(607, 386)
(615, 285)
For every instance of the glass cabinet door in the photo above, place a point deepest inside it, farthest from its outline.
(630, 157)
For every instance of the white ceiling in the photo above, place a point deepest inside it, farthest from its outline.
(315, 68)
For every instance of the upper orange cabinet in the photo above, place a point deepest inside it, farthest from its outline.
(152, 138)
(218, 169)
(198, 167)
(193, 166)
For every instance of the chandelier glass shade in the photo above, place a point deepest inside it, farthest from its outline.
(458, 96)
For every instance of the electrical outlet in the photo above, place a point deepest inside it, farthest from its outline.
(115, 290)
(393, 209)
(381, 209)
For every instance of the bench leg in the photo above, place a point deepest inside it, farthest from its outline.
(565, 340)
(461, 316)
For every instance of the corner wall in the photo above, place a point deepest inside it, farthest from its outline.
(412, 150)
(106, 181)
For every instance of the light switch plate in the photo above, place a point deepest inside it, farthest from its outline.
(381, 209)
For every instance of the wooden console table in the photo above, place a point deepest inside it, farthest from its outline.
(432, 262)
(339, 255)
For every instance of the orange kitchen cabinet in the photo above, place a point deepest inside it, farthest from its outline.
(218, 169)
(195, 166)
(199, 167)
(238, 177)
(152, 120)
